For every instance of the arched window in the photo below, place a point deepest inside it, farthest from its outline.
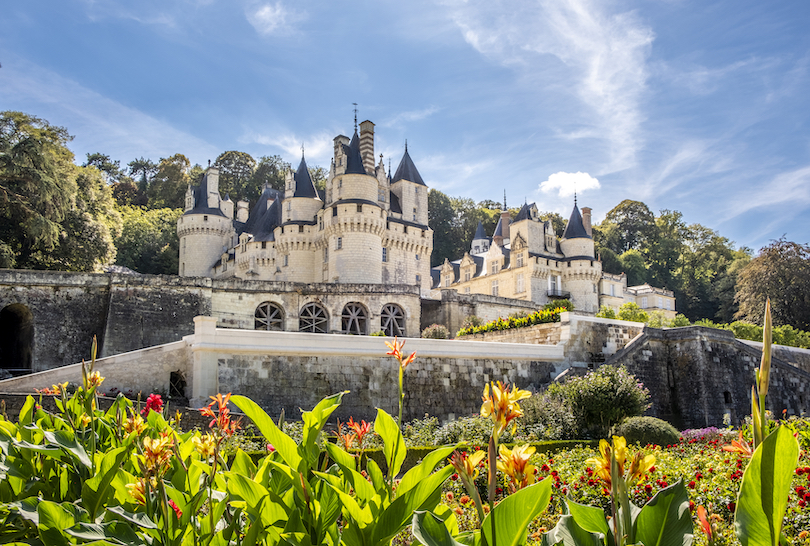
(269, 316)
(392, 320)
(16, 338)
(313, 319)
(354, 319)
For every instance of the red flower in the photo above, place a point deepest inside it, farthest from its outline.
(692, 484)
(176, 508)
(732, 506)
(154, 403)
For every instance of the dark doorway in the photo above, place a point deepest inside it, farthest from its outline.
(16, 339)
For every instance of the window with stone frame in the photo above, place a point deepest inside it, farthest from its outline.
(268, 316)
(392, 320)
(313, 318)
(519, 288)
(520, 260)
(495, 267)
(495, 287)
(354, 319)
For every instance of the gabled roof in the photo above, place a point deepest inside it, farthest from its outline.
(263, 220)
(479, 232)
(407, 170)
(304, 187)
(575, 229)
(354, 161)
(524, 214)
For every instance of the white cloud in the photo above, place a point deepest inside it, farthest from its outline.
(273, 19)
(605, 55)
(566, 184)
(411, 115)
(317, 147)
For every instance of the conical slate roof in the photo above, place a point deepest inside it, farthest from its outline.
(575, 229)
(498, 229)
(479, 232)
(407, 170)
(304, 187)
(354, 161)
(523, 214)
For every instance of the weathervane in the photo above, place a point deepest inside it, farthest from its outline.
(355, 116)
(302, 150)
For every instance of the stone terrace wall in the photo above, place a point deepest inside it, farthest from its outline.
(453, 308)
(697, 376)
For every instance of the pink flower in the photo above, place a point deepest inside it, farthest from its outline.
(175, 507)
(154, 403)
(270, 448)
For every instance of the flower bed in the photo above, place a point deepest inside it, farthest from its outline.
(541, 316)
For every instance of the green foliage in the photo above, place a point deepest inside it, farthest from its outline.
(606, 312)
(378, 333)
(168, 187)
(632, 312)
(601, 399)
(436, 331)
(680, 320)
(148, 242)
(547, 418)
(542, 316)
(634, 265)
(646, 430)
(564, 304)
(270, 171)
(235, 174)
(658, 319)
(473, 430)
(471, 321)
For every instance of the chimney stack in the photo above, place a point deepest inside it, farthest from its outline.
(586, 220)
(367, 145)
(242, 211)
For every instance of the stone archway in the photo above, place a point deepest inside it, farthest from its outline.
(16, 339)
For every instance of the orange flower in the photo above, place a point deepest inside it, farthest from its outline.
(396, 352)
(94, 379)
(617, 451)
(347, 439)
(515, 464)
(138, 489)
(222, 417)
(502, 405)
(740, 446)
(360, 430)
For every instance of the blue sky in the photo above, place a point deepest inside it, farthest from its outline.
(695, 106)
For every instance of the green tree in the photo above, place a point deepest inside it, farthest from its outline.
(270, 171)
(168, 188)
(610, 262)
(235, 175)
(724, 287)
(440, 220)
(780, 272)
(37, 186)
(148, 241)
(634, 266)
(111, 170)
(142, 170)
(632, 312)
(635, 223)
(318, 175)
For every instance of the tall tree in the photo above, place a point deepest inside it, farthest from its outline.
(37, 186)
(318, 175)
(111, 170)
(635, 223)
(148, 241)
(270, 171)
(779, 272)
(634, 266)
(235, 174)
(440, 220)
(168, 187)
(142, 170)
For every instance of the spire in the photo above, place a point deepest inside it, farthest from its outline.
(304, 187)
(355, 116)
(575, 229)
(504, 199)
(479, 232)
(407, 170)
(354, 161)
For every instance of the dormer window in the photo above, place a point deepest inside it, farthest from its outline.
(520, 260)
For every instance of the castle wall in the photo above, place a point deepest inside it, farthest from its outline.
(453, 308)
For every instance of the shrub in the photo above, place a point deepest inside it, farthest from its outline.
(658, 319)
(540, 316)
(474, 430)
(602, 398)
(680, 320)
(378, 333)
(631, 311)
(420, 432)
(565, 305)
(471, 321)
(647, 430)
(546, 417)
(436, 331)
(606, 312)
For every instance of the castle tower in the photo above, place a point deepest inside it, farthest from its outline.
(581, 272)
(480, 241)
(205, 231)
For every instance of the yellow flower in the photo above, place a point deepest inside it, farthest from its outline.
(134, 423)
(94, 380)
(138, 489)
(515, 464)
(205, 445)
(466, 466)
(502, 405)
(157, 453)
(84, 420)
(640, 465)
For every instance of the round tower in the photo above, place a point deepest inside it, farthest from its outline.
(580, 271)
(205, 231)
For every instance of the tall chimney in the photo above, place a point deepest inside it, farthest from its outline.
(586, 220)
(367, 145)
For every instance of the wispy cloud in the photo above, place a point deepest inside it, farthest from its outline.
(702, 80)
(317, 146)
(605, 54)
(99, 123)
(409, 116)
(566, 184)
(273, 19)
(792, 187)
(157, 14)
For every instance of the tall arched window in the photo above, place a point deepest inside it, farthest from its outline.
(269, 316)
(313, 318)
(354, 319)
(392, 320)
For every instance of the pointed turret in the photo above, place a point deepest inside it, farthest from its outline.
(480, 242)
(304, 187)
(407, 170)
(354, 161)
(575, 229)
